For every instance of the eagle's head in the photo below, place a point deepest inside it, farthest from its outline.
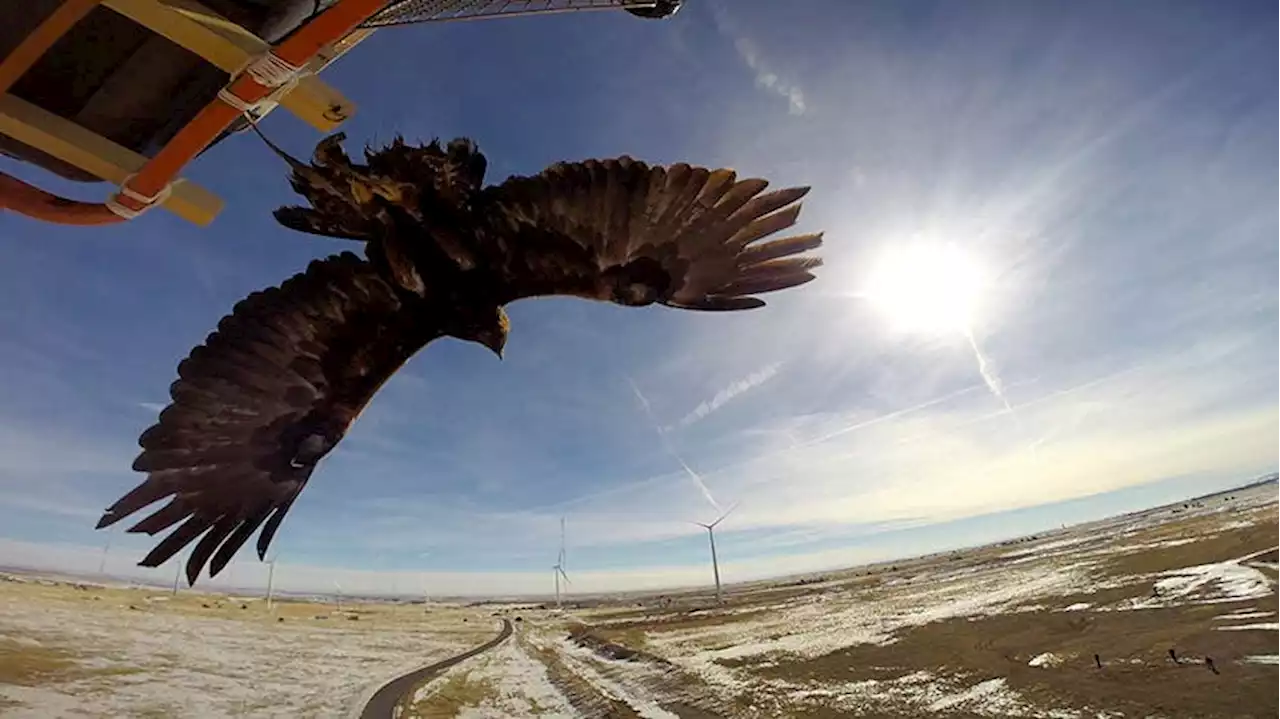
(486, 326)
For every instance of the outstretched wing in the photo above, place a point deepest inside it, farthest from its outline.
(620, 230)
(257, 406)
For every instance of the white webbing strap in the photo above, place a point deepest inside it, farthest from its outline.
(113, 203)
(269, 70)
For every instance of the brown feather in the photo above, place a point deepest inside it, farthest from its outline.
(623, 231)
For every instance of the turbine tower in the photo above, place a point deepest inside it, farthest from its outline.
(271, 580)
(102, 563)
(557, 569)
(711, 536)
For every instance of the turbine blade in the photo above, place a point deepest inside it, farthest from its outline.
(727, 512)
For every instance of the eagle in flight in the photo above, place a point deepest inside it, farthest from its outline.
(277, 385)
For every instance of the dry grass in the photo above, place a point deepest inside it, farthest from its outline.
(451, 694)
(27, 664)
(24, 662)
(1138, 678)
(585, 698)
(1229, 544)
(65, 646)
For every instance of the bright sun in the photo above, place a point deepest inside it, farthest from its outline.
(928, 288)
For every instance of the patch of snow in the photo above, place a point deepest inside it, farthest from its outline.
(917, 694)
(1271, 627)
(614, 690)
(1048, 659)
(982, 697)
(1262, 659)
(1215, 583)
(1244, 615)
(1236, 524)
(521, 683)
(1077, 607)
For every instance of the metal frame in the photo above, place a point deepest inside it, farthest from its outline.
(394, 14)
(262, 76)
(223, 44)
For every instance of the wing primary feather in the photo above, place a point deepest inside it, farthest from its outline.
(141, 496)
(161, 519)
(767, 283)
(784, 266)
(272, 525)
(762, 205)
(177, 539)
(262, 401)
(761, 253)
(237, 540)
(763, 227)
(623, 231)
(206, 546)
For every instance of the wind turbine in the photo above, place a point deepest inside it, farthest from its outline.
(177, 577)
(271, 580)
(557, 569)
(102, 564)
(711, 536)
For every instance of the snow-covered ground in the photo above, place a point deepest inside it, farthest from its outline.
(507, 681)
(1050, 574)
(153, 661)
(144, 653)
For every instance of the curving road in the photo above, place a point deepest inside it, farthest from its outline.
(383, 703)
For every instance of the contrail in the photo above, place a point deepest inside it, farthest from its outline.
(988, 374)
(666, 443)
(994, 384)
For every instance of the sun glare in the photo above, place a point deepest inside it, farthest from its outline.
(926, 288)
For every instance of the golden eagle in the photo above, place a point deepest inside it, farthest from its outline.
(277, 385)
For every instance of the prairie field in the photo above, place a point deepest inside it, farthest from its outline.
(1165, 613)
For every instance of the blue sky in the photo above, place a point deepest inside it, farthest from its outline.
(1110, 166)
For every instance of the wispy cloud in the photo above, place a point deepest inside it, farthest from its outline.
(669, 447)
(767, 78)
(751, 381)
(749, 52)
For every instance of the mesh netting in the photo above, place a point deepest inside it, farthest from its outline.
(404, 12)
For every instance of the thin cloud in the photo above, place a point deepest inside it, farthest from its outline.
(767, 78)
(751, 381)
(666, 443)
(749, 52)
